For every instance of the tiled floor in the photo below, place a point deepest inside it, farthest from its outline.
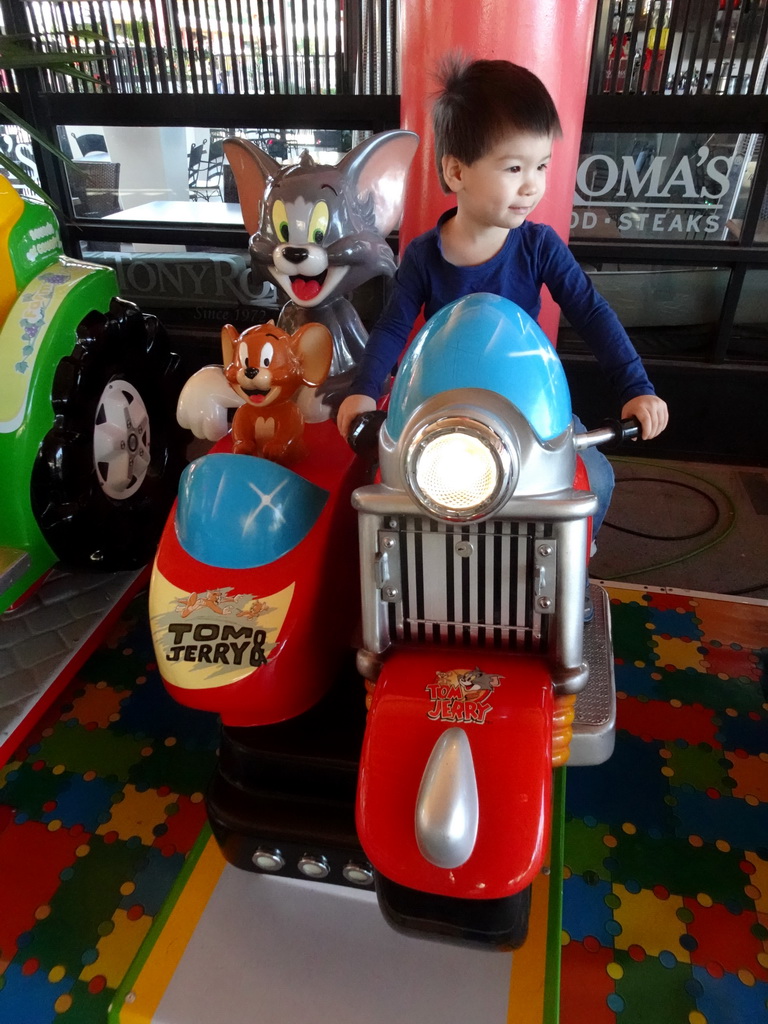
(49, 635)
(697, 526)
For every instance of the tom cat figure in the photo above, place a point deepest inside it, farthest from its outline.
(319, 231)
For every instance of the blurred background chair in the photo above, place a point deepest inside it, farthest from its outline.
(205, 175)
(195, 162)
(94, 186)
(229, 186)
(90, 145)
(271, 141)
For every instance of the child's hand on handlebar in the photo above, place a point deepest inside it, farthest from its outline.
(651, 411)
(352, 406)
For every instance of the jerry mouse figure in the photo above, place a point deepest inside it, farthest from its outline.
(266, 367)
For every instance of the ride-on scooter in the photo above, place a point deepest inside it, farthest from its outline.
(473, 552)
(473, 548)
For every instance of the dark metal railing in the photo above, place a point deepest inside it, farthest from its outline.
(229, 47)
(680, 48)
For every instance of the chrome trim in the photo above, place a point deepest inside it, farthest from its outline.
(368, 664)
(475, 583)
(358, 874)
(379, 500)
(268, 859)
(447, 805)
(602, 435)
(314, 866)
(544, 576)
(543, 467)
(387, 565)
(481, 550)
(568, 669)
(468, 584)
(570, 680)
(375, 615)
(502, 453)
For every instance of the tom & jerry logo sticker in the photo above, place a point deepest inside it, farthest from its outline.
(214, 637)
(462, 695)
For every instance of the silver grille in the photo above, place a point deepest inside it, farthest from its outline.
(464, 584)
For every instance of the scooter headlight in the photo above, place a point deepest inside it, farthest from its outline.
(459, 469)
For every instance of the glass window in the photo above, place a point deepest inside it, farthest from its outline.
(736, 222)
(749, 337)
(166, 176)
(761, 233)
(662, 186)
(173, 174)
(16, 147)
(670, 311)
(206, 279)
(685, 47)
(239, 48)
(193, 293)
(212, 282)
(747, 157)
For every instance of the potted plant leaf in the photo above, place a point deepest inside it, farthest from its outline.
(39, 52)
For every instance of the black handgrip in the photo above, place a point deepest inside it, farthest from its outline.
(623, 430)
(363, 436)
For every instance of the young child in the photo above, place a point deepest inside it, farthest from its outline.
(494, 123)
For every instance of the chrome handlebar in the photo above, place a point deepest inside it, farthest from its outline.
(364, 433)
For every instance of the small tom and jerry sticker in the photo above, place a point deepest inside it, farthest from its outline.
(462, 695)
(213, 637)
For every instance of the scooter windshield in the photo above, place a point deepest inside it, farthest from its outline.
(484, 341)
(242, 512)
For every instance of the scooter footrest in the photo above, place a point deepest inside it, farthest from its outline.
(594, 727)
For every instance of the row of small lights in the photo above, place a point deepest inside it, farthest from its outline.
(312, 867)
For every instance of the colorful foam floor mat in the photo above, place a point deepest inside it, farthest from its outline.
(665, 907)
(98, 809)
(666, 846)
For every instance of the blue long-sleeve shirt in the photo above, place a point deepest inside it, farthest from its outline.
(533, 255)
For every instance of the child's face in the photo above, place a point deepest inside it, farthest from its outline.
(503, 187)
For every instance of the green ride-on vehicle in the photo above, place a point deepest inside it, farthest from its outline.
(90, 452)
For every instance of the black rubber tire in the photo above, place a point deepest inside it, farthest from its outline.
(500, 924)
(88, 521)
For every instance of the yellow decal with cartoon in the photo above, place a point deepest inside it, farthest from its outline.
(213, 638)
(23, 333)
(462, 695)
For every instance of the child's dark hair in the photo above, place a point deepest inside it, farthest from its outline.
(481, 100)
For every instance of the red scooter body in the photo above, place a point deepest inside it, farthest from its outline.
(249, 617)
(473, 550)
(421, 694)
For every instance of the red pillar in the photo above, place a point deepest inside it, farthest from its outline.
(552, 38)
